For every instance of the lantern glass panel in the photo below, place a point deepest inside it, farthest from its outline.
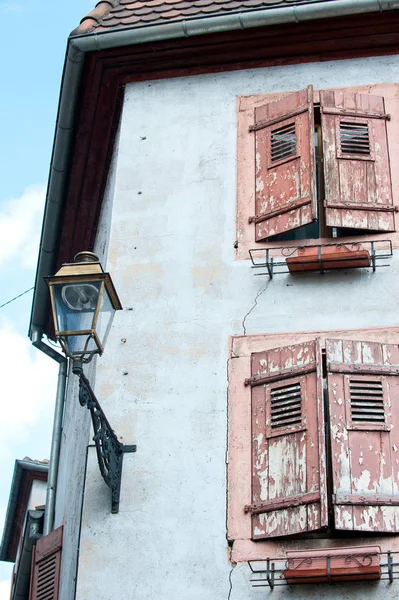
(105, 317)
(75, 305)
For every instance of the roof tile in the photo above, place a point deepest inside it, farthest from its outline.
(112, 14)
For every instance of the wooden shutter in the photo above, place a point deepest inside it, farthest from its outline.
(46, 566)
(288, 464)
(285, 181)
(358, 191)
(363, 391)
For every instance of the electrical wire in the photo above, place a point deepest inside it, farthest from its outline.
(16, 297)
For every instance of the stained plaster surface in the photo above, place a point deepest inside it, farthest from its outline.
(163, 377)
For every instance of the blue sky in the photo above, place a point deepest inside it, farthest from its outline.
(32, 50)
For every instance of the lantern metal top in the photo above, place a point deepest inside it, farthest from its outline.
(85, 256)
(87, 266)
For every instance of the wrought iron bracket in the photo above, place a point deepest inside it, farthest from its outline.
(109, 449)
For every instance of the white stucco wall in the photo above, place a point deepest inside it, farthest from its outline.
(162, 379)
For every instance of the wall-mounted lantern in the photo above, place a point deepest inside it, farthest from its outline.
(83, 302)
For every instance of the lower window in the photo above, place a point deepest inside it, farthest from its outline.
(325, 438)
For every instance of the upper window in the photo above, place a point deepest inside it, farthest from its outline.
(322, 169)
(325, 438)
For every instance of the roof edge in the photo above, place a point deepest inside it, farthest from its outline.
(126, 36)
(94, 16)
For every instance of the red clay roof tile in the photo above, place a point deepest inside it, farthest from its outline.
(115, 14)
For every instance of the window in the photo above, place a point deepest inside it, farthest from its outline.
(325, 438)
(322, 168)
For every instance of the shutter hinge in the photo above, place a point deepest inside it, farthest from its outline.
(252, 219)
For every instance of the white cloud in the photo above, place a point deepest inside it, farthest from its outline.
(28, 377)
(27, 389)
(5, 589)
(20, 221)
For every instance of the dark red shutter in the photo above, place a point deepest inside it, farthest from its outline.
(289, 486)
(46, 567)
(285, 181)
(363, 391)
(358, 191)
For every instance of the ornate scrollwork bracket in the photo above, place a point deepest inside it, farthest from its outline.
(109, 449)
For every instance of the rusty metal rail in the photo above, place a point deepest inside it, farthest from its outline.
(321, 257)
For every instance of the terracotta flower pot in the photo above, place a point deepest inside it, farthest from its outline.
(332, 257)
(333, 564)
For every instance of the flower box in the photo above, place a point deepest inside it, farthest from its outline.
(331, 257)
(333, 564)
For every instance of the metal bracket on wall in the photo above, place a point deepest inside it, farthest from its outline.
(296, 260)
(109, 449)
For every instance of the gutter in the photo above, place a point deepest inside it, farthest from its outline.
(32, 534)
(126, 36)
(59, 169)
(79, 44)
(57, 430)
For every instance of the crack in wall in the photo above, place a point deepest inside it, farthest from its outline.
(263, 289)
(230, 582)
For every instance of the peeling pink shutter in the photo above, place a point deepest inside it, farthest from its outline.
(363, 390)
(46, 567)
(285, 192)
(289, 486)
(358, 191)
